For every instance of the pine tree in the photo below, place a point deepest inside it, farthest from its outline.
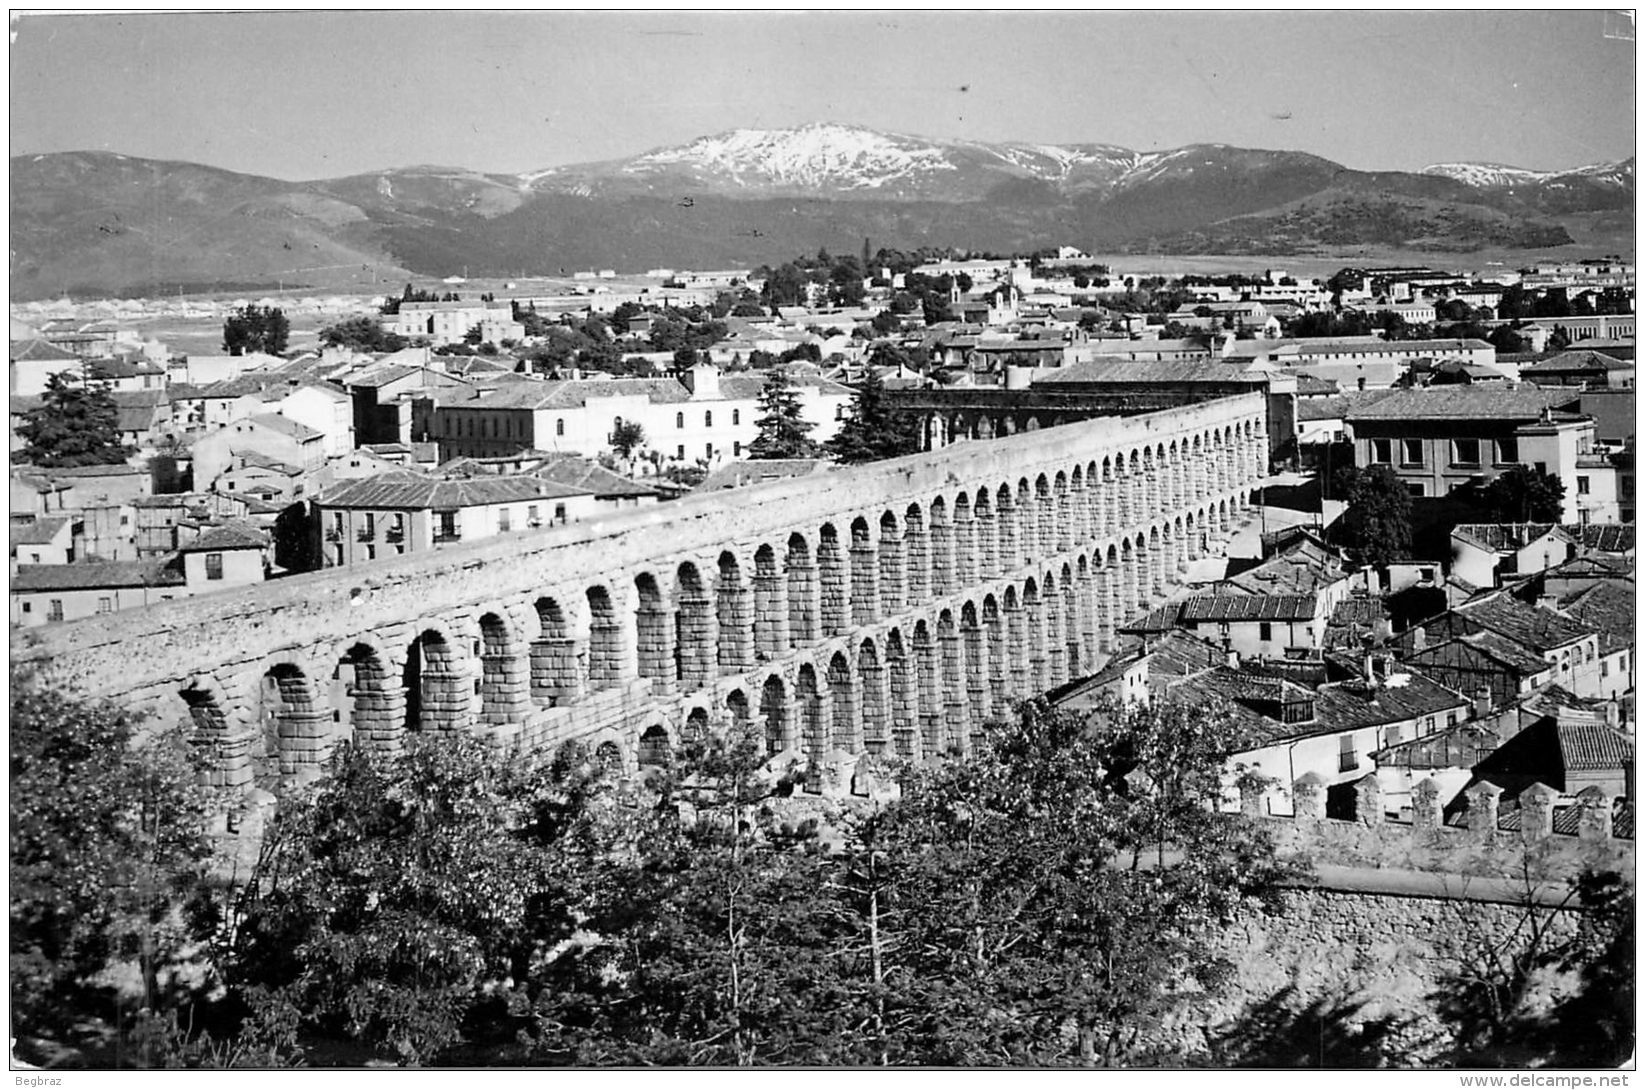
(253, 328)
(78, 425)
(874, 430)
(783, 430)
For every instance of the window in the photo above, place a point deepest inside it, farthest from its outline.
(1348, 758)
(708, 419)
(1604, 668)
(1410, 452)
(736, 416)
(1265, 631)
(737, 449)
(1542, 467)
(54, 609)
(1382, 451)
(708, 450)
(105, 605)
(1507, 450)
(531, 518)
(1416, 489)
(679, 420)
(559, 425)
(369, 529)
(28, 607)
(445, 526)
(1582, 486)
(680, 452)
(214, 565)
(1465, 452)
(502, 520)
(559, 512)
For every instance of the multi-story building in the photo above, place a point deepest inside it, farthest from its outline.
(1440, 438)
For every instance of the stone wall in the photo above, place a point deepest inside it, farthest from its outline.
(882, 609)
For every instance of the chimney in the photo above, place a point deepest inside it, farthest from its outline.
(1419, 638)
(1367, 665)
(1482, 702)
(1613, 715)
(1232, 657)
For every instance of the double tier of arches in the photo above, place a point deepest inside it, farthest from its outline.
(895, 629)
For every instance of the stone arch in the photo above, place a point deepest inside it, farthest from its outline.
(733, 616)
(916, 556)
(963, 542)
(842, 692)
(1007, 530)
(366, 698)
(926, 672)
(228, 750)
(1062, 514)
(995, 671)
(835, 590)
(905, 696)
(1016, 642)
(736, 705)
(873, 698)
(975, 668)
(941, 534)
(1155, 585)
(1079, 508)
(1033, 424)
(607, 657)
(776, 714)
(955, 723)
(436, 698)
(655, 747)
(771, 619)
(812, 713)
(1111, 612)
(1028, 522)
(696, 724)
(504, 684)
(609, 758)
(893, 576)
(557, 658)
(696, 657)
(1074, 658)
(653, 631)
(986, 534)
(295, 726)
(864, 578)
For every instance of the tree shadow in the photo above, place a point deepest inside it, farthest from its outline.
(1286, 1031)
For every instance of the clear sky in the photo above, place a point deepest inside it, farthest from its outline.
(304, 95)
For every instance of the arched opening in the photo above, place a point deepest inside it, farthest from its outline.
(295, 727)
(872, 699)
(916, 556)
(436, 698)
(696, 724)
(994, 651)
(842, 692)
(606, 653)
(608, 758)
(865, 590)
(955, 725)
(813, 723)
(975, 669)
(556, 660)
(1062, 530)
(965, 547)
(504, 683)
(653, 630)
(365, 698)
(229, 755)
(695, 658)
(654, 749)
(1005, 530)
(733, 617)
(931, 702)
(737, 704)
(983, 534)
(942, 550)
(905, 697)
(804, 610)
(835, 589)
(770, 619)
(774, 711)
(892, 593)
(1016, 639)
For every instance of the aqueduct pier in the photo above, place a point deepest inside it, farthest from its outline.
(887, 608)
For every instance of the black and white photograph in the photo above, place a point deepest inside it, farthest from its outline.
(881, 541)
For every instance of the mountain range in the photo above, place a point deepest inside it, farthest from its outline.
(98, 223)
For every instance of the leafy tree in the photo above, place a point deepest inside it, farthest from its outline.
(407, 904)
(1521, 494)
(874, 430)
(1558, 340)
(473, 336)
(361, 334)
(1506, 339)
(783, 429)
(109, 854)
(685, 358)
(1377, 523)
(252, 328)
(627, 437)
(77, 424)
(885, 323)
(391, 305)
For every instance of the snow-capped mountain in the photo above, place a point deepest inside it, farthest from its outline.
(1497, 174)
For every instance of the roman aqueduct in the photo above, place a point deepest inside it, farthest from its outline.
(888, 608)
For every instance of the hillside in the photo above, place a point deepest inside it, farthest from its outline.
(94, 223)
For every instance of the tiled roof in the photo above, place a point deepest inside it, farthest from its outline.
(592, 477)
(258, 460)
(77, 473)
(1524, 403)
(1590, 747)
(1461, 746)
(228, 536)
(1486, 649)
(1348, 705)
(1541, 630)
(1118, 369)
(286, 426)
(414, 492)
(1607, 608)
(1576, 361)
(1175, 654)
(754, 471)
(1248, 607)
(245, 385)
(1502, 536)
(91, 576)
(1337, 406)
(1603, 537)
(38, 531)
(36, 349)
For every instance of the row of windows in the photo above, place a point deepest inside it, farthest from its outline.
(679, 419)
(1464, 452)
